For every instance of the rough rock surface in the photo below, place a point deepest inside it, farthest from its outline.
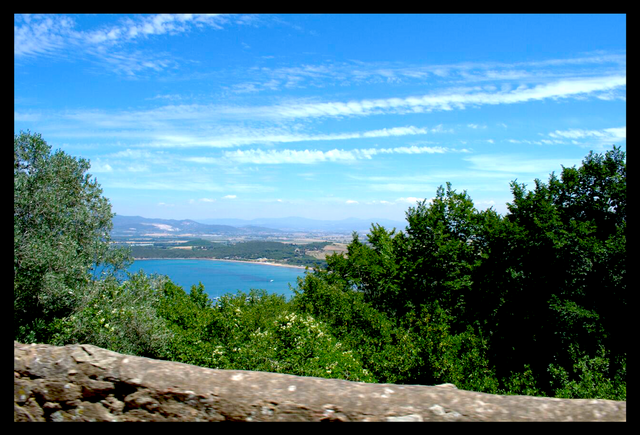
(87, 383)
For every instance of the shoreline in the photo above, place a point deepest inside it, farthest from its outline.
(233, 261)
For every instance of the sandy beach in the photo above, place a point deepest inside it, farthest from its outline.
(267, 263)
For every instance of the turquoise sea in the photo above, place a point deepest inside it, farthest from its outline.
(222, 277)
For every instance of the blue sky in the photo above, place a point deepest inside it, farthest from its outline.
(318, 116)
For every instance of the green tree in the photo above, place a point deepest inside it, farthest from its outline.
(370, 267)
(533, 302)
(61, 231)
(556, 274)
(444, 244)
(389, 296)
(447, 357)
(386, 350)
(191, 318)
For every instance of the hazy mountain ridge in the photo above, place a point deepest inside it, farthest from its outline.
(137, 225)
(305, 224)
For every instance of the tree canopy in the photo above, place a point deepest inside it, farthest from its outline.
(539, 292)
(61, 231)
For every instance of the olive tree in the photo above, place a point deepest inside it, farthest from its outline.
(61, 232)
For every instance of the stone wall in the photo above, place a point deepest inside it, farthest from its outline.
(87, 383)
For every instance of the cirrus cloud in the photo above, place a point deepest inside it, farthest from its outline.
(287, 156)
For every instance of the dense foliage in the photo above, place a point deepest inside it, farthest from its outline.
(61, 226)
(533, 302)
(530, 303)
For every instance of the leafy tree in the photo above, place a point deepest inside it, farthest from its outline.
(533, 302)
(447, 357)
(370, 267)
(556, 273)
(190, 318)
(61, 226)
(445, 243)
(590, 377)
(385, 350)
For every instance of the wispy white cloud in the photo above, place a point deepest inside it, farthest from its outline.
(132, 63)
(287, 156)
(180, 126)
(410, 200)
(137, 168)
(150, 25)
(174, 116)
(40, 35)
(442, 100)
(401, 187)
(48, 35)
(607, 134)
(270, 136)
(99, 167)
(581, 137)
(258, 156)
(518, 164)
(180, 185)
(366, 73)
(28, 116)
(108, 44)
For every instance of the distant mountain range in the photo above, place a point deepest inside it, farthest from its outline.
(140, 226)
(311, 225)
(130, 226)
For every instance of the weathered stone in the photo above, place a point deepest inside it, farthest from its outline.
(51, 406)
(89, 411)
(21, 391)
(113, 405)
(92, 388)
(86, 383)
(141, 399)
(56, 390)
(30, 411)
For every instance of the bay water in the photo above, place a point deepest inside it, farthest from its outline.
(223, 277)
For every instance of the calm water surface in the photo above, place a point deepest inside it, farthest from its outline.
(222, 277)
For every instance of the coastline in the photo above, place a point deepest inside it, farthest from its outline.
(268, 263)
